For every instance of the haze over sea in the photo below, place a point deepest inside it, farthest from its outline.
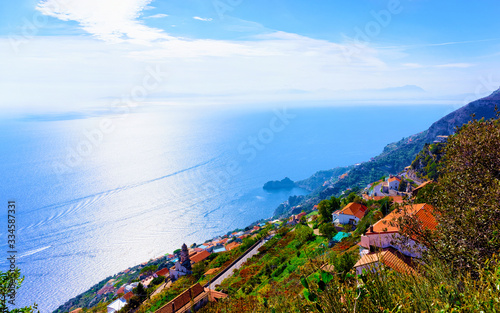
(160, 179)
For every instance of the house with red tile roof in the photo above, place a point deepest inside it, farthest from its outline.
(200, 256)
(193, 298)
(120, 290)
(388, 257)
(163, 272)
(212, 271)
(383, 233)
(128, 296)
(350, 214)
(232, 245)
(415, 191)
(393, 182)
(214, 296)
(395, 199)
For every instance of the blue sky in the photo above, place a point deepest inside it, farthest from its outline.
(71, 54)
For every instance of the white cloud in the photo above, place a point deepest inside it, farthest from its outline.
(455, 65)
(110, 20)
(160, 15)
(444, 66)
(413, 65)
(202, 19)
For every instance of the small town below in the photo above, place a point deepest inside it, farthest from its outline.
(423, 239)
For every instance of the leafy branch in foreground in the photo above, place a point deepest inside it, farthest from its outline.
(10, 282)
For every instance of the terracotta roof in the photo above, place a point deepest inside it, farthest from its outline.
(214, 295)
(76, 310)
(299, 216)
(328, 268)
(393, 179)
(390, 257)
(354, 209)
(200, 256)
(415, 191)
(232, 245)
(121, 290)
(212, 271)
(183, 299)
(162, 272)
(128, 296)
(396, 199)
(422, 211)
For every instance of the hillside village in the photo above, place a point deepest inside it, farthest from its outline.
(158, 275)
(383, 232)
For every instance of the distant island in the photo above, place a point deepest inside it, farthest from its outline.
(285, 183)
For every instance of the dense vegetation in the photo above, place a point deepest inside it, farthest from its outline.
(426, 163)
(460, 271)
(285, 183)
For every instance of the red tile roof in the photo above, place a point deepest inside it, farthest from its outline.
(163, 272)
(212, 271)
(183, 299)
(232, 245)
(354, 209)
(422, 211)
(391, 258)
(200, 256)
(215, 295)
(128, 295)
(415, 191)
(393, 179)
(299, 216)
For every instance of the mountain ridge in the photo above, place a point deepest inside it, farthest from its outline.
(395, 156)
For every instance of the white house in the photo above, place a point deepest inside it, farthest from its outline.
(350, 214)
(384, 233)
(116, 305)
(394, 182)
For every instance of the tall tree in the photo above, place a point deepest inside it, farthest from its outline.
(467, 198)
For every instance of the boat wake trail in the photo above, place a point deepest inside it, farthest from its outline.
(76, 205)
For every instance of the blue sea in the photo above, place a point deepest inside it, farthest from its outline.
(99, 192)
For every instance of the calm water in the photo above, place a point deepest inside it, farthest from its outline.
(161, 177)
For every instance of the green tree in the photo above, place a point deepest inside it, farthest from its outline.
(385, 208)
(328, 230)
(141, 292)
(403, 185)
(469, 200)
(466, 199)
(303, 233)
(327, 207)
(199, 269)
(10, 282)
